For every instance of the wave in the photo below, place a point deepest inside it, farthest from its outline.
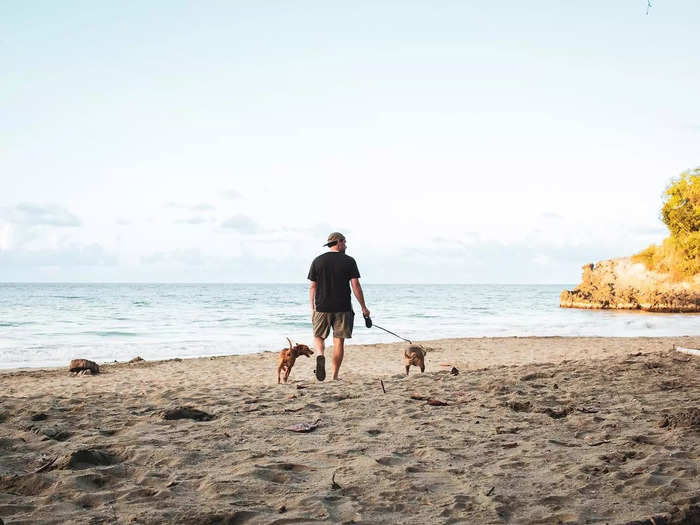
(111, 333)
(12, 324)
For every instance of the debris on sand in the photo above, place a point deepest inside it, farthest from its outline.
(556, 413)
(187, 412)
(689, 418)
(304, 427)
(334, 485)
(519, 406)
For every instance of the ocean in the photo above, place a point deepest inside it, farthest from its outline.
(50, 324)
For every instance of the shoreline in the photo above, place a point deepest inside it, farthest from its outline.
(428, 342)
(531, 430)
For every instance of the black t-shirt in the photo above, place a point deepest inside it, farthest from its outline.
(332, 272)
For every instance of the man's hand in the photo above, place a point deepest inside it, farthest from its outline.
(312, 298)
(365, 312)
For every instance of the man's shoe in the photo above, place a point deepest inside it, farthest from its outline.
(320, 367)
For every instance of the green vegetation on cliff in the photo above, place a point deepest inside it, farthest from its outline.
(678, 254)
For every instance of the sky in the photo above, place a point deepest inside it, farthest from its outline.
(451, 142)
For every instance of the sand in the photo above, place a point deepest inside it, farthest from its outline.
(535, 430)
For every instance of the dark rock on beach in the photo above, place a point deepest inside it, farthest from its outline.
(86, 458)
(187, 413)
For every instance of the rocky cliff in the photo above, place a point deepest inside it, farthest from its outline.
(626, 285)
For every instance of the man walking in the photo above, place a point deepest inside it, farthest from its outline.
(332, 274)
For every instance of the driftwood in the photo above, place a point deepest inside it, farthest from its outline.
(689, 351)
(80, 365)
(334, 485)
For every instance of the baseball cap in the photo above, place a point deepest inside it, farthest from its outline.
(333, 239)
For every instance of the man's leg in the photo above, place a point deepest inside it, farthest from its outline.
(321, 330)
(319, 344)
(338, 352)
(320, 371)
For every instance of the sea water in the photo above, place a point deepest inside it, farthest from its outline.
(49, 324)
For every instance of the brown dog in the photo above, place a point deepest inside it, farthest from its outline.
(415, 355)
(288, 356)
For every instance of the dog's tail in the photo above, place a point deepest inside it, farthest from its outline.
(290, 343)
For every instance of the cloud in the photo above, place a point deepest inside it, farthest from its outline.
(465, 239)
(202, 206)
(189, 257)
(542, 259)
(123, 222)
(193, 220)
(689, 126)
(242, 224)
(4, 236)
(649, 230)
(551, 216)
(231, 194)
(67, 256)
(529, 261)
(39, 215)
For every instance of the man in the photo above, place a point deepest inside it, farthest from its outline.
(331, 275)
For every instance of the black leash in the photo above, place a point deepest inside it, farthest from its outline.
(368, 324)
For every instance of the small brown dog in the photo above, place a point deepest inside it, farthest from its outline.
(288, 356)
(415, 355)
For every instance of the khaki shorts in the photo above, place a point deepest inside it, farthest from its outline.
(341, 322)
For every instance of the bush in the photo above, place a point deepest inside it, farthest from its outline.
(681, 211)
(678, 254)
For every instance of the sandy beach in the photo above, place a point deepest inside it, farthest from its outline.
(535, 430)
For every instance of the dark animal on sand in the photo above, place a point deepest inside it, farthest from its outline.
(81, 365)
(415, 355)
(288, 356)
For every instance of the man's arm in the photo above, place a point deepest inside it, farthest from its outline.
(357, 290)
(312, 296)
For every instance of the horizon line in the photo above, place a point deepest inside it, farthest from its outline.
(288, 283)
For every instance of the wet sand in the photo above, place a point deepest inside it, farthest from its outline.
(535, 430)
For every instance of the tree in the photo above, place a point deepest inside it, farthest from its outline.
(681, 211)
(679, 254)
